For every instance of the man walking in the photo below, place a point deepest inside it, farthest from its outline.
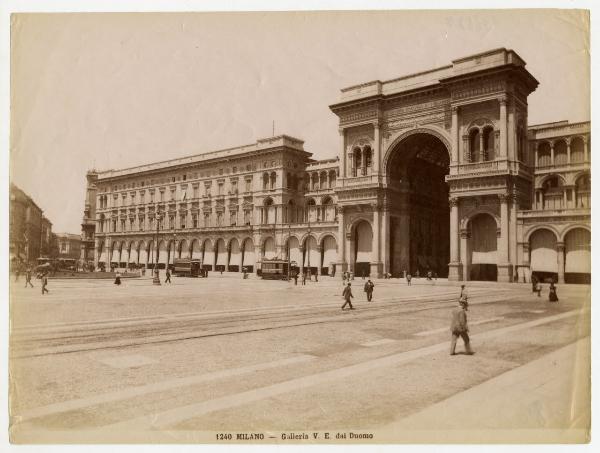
(304, 278)
(168, 278)
(44, 283)
(464, 294)
(408, 279)
(347, 295)
(369, 289)
(28, 278)
(296, 278)
(459, 326)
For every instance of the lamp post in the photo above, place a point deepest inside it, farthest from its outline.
(308, 246)
(156, 279)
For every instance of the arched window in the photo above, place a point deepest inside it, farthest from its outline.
(489, 143)
(288, 180)
(315, 181)
(356, 159)
(544, 154)
(273, 180)
(560, 152)
(553, 193)
(331, 179)
(368, 157)
(474, 139)
(309, 212)
(265, 181)
(577, 152)
(583, 192)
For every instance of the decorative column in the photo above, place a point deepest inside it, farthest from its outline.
(320, 263)
(385, 239)
(552, 153)
(511, 135)
(377, 151)
(464, 253)
(504, 266)
(568, 151)
(585, 150)
(512, 231)
(376, 264)
(455, 144)
(257, 253)
(228, 256)
(301, 249)
(565, 190)
(454, 267)
(560, 248)
(503, 128)
(342, 265)
(537, 145)
(481, 150)
(343, 163)
(351, 166)
(526, 263)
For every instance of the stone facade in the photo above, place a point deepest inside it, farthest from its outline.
(435, 171)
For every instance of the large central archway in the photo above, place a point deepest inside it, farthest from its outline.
(418, 202)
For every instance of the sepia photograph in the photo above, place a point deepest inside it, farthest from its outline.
(299, 227)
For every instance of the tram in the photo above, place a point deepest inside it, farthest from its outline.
(274, 269)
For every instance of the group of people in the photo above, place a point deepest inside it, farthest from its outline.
(28, 275)
(348, 296)
(536, 287)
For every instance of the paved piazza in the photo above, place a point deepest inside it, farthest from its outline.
(221, 356)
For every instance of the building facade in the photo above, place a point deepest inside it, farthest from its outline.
(68, 246)
(30, 232)
(435, 171)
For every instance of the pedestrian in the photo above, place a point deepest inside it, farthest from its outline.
(538, 288)
(429, 275)
(459, 326)
(363, 275)
(17, 273)
(534, 281)
(418, 274)
(143, 271)
(351, 275)
(28, 278)
(347, 295)
(296, 278)
(168, 276)
(118, 279)
(552, 297)
(435, 275)
(408, 279)
(464, 294)
(44, 283)
(316, 277)
(304, 278)
(369, 289)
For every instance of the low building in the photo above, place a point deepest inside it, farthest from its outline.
(68, 246)
(436, 171)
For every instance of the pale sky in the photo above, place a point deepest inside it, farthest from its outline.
(112, 91)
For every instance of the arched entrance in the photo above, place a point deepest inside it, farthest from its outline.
(235, 256)
(483, 248)
(543, 255)
(221, 252)
(363, 248)
(329, 248)
(419, 229)
(578, 256)
(248, 260)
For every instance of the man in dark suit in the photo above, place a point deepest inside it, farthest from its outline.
(459, 326)
(347, 295)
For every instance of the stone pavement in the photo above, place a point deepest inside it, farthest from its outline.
(534, 402)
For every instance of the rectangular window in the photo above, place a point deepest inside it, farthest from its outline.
(233, 218)
(142, 197)
(195, 191)
(207, 219)
(151, 197)
(162, 195)
(195, 220)
(182, 221)
(220, 188)
(141, 224)
(172, 194)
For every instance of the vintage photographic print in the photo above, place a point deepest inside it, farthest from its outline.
(312, 227)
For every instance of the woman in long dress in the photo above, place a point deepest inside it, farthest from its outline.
(552, 297)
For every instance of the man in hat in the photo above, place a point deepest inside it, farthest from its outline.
(459, 326)
(347, 295)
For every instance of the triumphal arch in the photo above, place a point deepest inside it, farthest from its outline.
(433, 169)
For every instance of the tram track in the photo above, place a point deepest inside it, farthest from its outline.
(170, 330)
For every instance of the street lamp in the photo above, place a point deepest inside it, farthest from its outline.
(308, 246)
(156, 279)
